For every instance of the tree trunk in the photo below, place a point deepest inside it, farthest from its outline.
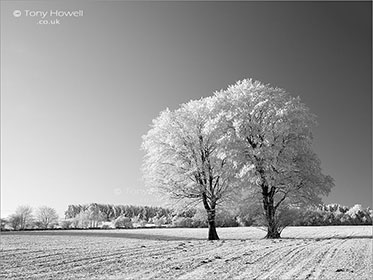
(213, 235)
(210, 209)
(269, 208)
(272, 230)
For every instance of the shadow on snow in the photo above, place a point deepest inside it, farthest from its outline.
(103, 234)
(144, 236)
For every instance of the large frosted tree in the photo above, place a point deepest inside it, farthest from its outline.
(184, 157)
(268, 133)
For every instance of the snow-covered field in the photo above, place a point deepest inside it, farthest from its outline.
(242, 253)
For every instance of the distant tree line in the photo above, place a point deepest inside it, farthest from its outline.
(94, 214)
(25, 218)
(335, 214)
(109, 212)
(128, 216)
(322, 215)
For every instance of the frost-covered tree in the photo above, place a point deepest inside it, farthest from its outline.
(183, 157)
(269, 136)
(107, 211)
(15, 221)
(72, 211)
(123, 222)
(81, 220)
(46, 216)
(95, 215)
(23, 217)
(3, 223)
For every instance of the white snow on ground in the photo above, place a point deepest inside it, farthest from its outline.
(341, 252)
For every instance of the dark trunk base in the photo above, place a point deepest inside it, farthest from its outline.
(273, 234)
(213, 235)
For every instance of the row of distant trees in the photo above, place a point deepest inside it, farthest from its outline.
(109, 212)
(25, 217)
(128, 216)
(119, 216)
(335, 214)
(322, 215)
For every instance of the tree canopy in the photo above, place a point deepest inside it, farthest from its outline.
(250, 136)
(270, 136)
(185, 159)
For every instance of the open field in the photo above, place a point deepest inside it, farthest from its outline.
(303, 253)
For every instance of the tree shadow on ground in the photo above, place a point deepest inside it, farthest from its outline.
(123, 234)
(144, 236)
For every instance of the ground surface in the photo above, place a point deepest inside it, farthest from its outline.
(242, 253)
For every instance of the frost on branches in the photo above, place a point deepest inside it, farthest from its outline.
(184, 158)
(269, 134)
(250, 137)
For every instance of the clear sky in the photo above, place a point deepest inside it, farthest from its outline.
(77, 96)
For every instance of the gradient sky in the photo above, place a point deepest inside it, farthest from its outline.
(77, 97)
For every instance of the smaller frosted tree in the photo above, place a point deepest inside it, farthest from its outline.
(184, 159)
(46, 216)
(123, 222)
(81, 220)
(15, 221)
(95, 215)
(72, 211)
(23, 217)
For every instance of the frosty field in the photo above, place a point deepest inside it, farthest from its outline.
(343, 252)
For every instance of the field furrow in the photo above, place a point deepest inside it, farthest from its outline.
(304, 253)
